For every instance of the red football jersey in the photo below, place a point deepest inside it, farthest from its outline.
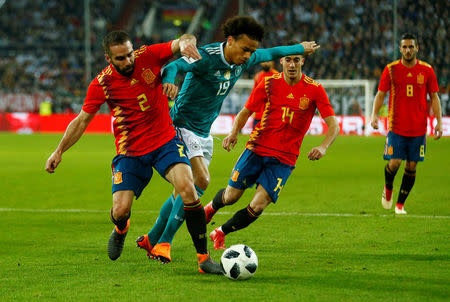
(140, 110)
(257, 79)
(287, 115)
(408, 96)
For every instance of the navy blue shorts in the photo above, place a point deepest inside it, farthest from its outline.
(404, 147)
(134, 172)
(263, 170)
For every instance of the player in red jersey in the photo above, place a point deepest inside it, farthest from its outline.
(145, 138)
(268, 70)
(408, 80)
(290, 100)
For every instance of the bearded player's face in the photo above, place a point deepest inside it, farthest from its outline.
(408, 49)
(122, 58)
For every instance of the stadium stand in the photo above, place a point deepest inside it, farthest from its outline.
(42, 41)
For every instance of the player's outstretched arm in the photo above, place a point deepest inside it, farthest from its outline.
(436, 106)
(377, 103)
(230, 141)
(73, 133)
(333, 131)
(269, 54)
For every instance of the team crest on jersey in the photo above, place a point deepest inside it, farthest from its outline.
(304, 103)
(148, 76)
(238, 70)
(420, 79)
(117, 178)
(227, 75)
(235, 175)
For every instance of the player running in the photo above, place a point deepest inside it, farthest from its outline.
(409, 80)
(145, 138)
(205, 87)
(290, 100)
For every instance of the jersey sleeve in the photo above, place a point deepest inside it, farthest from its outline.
(323, 103)
(257, 98)
(184, 64)
(163, 51)
(385, 81)
(432, 84)
(269, 54)
(94, 98)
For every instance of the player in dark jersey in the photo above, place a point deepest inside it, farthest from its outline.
(207, 83)
(290, 100)
(145, 138)
(408, 80)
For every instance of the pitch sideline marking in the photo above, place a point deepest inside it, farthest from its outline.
(229, 213)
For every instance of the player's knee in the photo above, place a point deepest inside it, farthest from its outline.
(230, 196)
(120, 212)
(394, 165)
(187, 192)
(202, 182)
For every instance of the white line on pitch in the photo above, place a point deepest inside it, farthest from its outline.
(226, 213)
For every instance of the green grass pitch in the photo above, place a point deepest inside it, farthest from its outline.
(54, 229)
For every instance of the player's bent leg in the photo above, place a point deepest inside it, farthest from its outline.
(200, 172)
(180, 176)
(120, 214)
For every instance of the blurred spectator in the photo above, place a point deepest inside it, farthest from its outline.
(42, 41)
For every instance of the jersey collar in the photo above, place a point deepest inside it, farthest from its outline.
(222, 55)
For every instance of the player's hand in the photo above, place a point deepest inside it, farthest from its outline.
(316, 153)
(229, 142)
(53, 162)
(170, 90)
(189, 50)
(310, 47)
(374, 122)
(438, 131)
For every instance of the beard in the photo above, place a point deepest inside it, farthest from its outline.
(126, 72)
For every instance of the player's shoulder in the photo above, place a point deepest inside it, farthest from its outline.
(394, 63)
(423, 63)
(212, 49)
(138, 52)
(274, 78)
(103, 76)
(310, 81)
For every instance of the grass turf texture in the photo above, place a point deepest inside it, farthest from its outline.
(371, 255)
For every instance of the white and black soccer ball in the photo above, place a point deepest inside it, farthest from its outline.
(239, 262)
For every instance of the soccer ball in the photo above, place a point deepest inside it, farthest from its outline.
(239, 262)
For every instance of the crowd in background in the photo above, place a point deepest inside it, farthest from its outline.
(42, 41)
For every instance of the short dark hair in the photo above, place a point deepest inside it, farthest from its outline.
(240, 25)
(114, 38)
(409, 36)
